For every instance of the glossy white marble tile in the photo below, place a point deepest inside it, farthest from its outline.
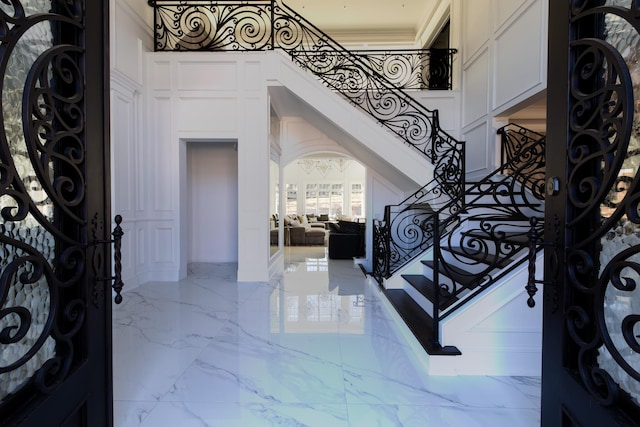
(131, 413)
(199, 414)
(144, 371)
(155, 340)
(314, 347)
(479, 391)
(439, 416)
(260, 372)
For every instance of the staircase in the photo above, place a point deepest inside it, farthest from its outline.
(463, 248)
(451, 243)
(197, 25)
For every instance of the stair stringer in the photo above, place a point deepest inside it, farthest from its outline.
(381, 145)
(497, 333)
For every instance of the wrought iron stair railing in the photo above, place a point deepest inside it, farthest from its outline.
(408, 69)
(473, 240)
(407, 229)
(270, 24)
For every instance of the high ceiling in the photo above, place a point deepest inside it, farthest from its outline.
(357, 20)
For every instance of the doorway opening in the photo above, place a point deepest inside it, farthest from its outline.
(211, 198)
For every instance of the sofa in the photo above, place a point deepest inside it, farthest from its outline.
(303, 230)
(346, 239)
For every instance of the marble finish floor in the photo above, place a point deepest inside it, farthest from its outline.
(315, 347)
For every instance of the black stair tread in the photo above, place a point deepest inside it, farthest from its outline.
(521, 238)
(463, 277)
(419, 322)
(426, 287)
(489, 259)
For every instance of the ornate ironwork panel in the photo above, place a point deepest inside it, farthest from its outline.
(408, 69)
(260, 25)
(42, 193)
(210, 25)
(598, 296)
(515, 140)
(502, 201)
(604, 264)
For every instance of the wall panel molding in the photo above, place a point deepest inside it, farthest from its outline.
(475, 89)
(217, 76)
(478, 151)
(206, 113)
(518, 70)
(476, 25)
(505, 11)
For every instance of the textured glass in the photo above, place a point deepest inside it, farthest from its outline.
(620, 245)
(23, 234)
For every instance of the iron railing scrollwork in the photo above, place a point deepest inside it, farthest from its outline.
(407, 69)
(409, 228)
(603, 184)
(270, 24)
(410, 224)
(474, 237)
(42, 196)
(380, 247)
(514, 139)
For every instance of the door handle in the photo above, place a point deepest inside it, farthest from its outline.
(534, 244)
(116, 279)
(118, 284)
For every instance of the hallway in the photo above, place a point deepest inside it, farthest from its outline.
(318, 347)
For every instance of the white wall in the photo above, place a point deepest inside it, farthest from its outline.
(131, 38)
(503, 45)
(200, 96)
(212, 186)
(161, 100)
(196, 97)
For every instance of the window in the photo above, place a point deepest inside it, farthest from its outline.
(357, 200)
(317, 199)
(330, 199)
(292, 199)
(337, 200)
(324, 200)
(311, 199)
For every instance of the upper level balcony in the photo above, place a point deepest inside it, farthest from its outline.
(260, 25)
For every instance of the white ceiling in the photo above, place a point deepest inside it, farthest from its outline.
(351, 20)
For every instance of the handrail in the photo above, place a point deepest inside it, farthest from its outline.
(490, 233)
(270, 24)
(513, 140)
(409, 69)
(515, 188)
(409, 228)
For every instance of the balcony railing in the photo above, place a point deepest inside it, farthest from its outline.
(407, 69)
(226, 25)
(195, 25)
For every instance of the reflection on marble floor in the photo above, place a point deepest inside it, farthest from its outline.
(315, 347)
